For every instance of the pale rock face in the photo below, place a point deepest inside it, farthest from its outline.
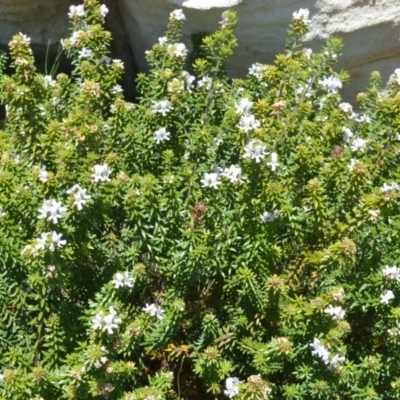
(370, 30)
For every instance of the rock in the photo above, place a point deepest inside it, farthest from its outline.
(370, 30)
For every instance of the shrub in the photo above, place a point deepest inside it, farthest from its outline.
(220, 238)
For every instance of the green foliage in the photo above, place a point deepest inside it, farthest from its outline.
(219, 238)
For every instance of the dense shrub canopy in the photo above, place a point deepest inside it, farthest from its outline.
(220, 238)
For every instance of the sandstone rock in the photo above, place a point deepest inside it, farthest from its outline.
(370, 30)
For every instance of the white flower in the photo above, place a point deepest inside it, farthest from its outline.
(101, 173)
(331, 83)
(353, 162)
(25, 39)
(256, 70)
(52, 210)
(244, 106)
(347, 135)
(248, 123)
(233, 173)
(116, 89)
(43, 175)
(85, 53)
(386, 297)
(206, 82)
(78, 11)
(190, 82)
(395, 76)
(346, 107)
(274, 161)
(49, 81)
(163, 40)
(308, 52)
(80, 195)
(97, 321)
(177, 15)
(337, 313)
(118, 63)
(56, 240)
(103, 10)
(162, 107)
(154, 311)
(269, 217)
(232, 387)
(42, 241)
(391, 186)
(320, 350)
(161, 135)
(336, 359)
(225, 19)
(122, 280)
(254, 150)
(111, 321)
(358, 144)
(303, 14)
(210, 180)
(177, 50)
(391, 272)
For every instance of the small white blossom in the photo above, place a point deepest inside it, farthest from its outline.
(210, 180)
(337, 313)
(177, 15)
(254, 150)
(85, 53)
(395, 76)
(80, 195)
(116, 89)
(111, 321)
(336, 359)
(162, 107)
(103, 10)
(274, 161)
(244, 107)
(303, 14)
(154, 311)
(269, 217)
(308, 52)
(25, 39)
(391, 272)
(205, 82)
(231, 387)
(43, 175)
(163, 40)
(56, 240)
(225, 19)
(118, 63)
(78, 11)
(332, 83)
(51, 210)
(97, 321)
(352, 164)
(161, 135)
(256, 70)
(122, 280)
(347, 135)
(233, 173)
(49, 81)
(320, 350)
(358, 144)
(386, 297)
(346, 107)
(248, 123)
(391, 186)
(177, 50)
(101, 173)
